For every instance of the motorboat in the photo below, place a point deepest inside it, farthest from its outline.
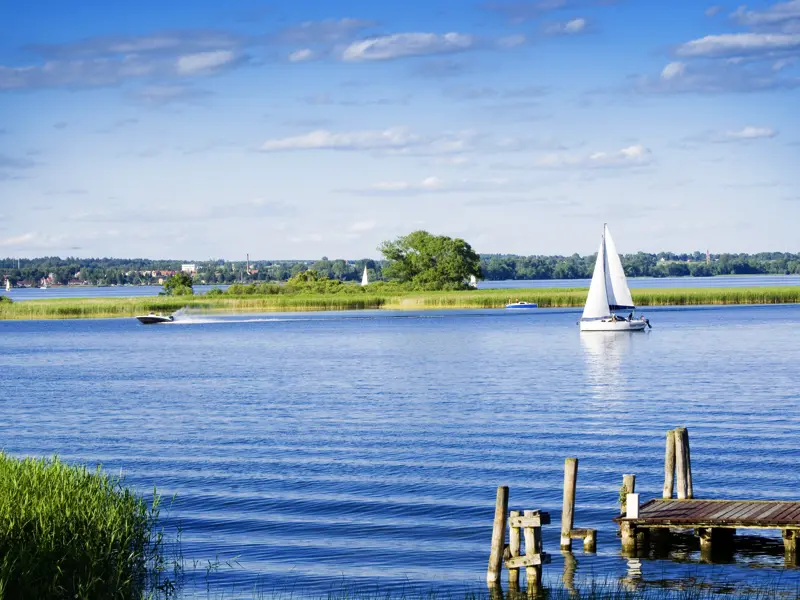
(609, 294)
(153, 318)
(522, 304)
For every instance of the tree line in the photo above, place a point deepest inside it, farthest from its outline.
(401, 262)
(642, 264)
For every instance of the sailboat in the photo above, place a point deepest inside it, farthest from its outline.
(8, 285)
(365, 277)
(609, 293)
(473, 281)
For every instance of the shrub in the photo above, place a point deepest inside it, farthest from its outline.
(67, 532)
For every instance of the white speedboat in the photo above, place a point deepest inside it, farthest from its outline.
(521, 304)
(153, 319)
(609, 294)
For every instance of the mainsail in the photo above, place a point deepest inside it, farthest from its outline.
(597, 301)
(365, 277)
(619, 296)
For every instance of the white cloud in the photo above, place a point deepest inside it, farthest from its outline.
(302, 55)
(399, 45)
(326, 31)
(362, 226)
(750, 133)
(203, 62)
(18, 240)
(160, 42)
(429, 185)
(512, 41)
(159, 95)
(739, 44)
(713, 11)
(779, 14)
(321, 139)
(783, 63)
(672, 70)
(567, 27)
(75, 73)
(631, 156)
(715, 78)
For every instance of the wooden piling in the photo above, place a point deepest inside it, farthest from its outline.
(680, 464)
(590, 541)
(568, 507)
(498, 536)
(629, 483)
(628, 532)
(669, 466)
(790, 544)
(533, 545)
(514, 549)
(688, 455)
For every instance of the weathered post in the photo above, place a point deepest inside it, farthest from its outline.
(568, 507)
(498, 536)
(688, 455)
(629, 487)
(669, 465)
(790, 545)
(590, 541)
(680, 464)
(628, 532)
(533, 545)
(513, 548)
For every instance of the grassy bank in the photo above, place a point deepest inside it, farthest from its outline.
(67, 532)
(67, 308)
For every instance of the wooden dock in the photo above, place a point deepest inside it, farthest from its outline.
(736, 514)
(715, 521)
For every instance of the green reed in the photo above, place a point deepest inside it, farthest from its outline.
(68, 532)
(66, 308)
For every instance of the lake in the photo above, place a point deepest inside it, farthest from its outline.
(364, 448)
(118, 291)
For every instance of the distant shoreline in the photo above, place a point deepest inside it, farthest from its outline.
(362, 298)
(554, 279)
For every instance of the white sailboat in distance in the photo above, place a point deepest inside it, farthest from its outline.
(8, 285)
(365, 277)
(609, 294)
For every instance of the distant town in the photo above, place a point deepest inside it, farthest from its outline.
(55, 271)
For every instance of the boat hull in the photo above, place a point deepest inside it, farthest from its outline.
(153, 319)
(621, 326)
(518, 306)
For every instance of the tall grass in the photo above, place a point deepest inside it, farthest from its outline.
(65, 308)
(67, 532)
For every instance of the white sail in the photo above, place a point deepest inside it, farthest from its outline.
(8, 285)
(619, 296)
(597, 301)
(365, 277)
(473, 281)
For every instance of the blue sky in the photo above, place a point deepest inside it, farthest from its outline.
(297, 130)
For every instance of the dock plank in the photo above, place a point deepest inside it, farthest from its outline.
(723, 513)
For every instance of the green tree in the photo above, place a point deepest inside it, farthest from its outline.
(179, 284)
(430, 261)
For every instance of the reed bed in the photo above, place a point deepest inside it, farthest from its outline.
(65, 308)
(68, 532)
